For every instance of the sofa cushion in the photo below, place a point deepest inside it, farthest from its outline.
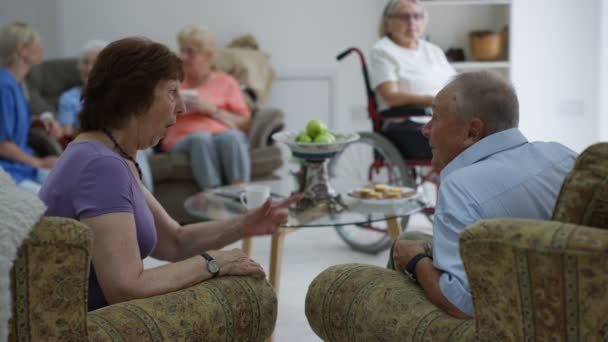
(250, 67)
(48, 80)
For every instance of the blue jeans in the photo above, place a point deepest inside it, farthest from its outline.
(217, 159)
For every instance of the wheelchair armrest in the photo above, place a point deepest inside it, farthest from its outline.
(405, 111)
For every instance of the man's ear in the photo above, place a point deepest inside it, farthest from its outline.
(477, 130)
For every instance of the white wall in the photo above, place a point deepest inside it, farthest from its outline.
(555, 46)
(302, 36)
(555, 58)
(41, 14)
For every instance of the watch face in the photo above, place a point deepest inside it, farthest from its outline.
(213, 266)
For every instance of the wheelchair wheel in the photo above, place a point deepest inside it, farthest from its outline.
(354, 165)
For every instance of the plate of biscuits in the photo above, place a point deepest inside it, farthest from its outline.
(383, 194)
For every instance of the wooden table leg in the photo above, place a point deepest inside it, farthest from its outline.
(276, 257)
(247, 246)
(394, 228)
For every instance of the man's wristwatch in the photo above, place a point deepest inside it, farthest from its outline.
(212, 265)
(410, 268)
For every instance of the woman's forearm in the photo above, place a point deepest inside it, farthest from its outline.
(403, 98)
(10, 151)
(159, 280)
(393, 96)
(196, 238)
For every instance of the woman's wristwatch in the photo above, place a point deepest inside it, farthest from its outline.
(212, 265)
(410, 268)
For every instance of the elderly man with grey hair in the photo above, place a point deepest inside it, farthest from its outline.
(488, 170)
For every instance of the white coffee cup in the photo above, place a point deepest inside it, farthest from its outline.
(254, 196)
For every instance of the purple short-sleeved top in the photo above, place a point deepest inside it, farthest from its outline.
(91, 180)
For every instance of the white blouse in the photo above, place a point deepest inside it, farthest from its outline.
(422, 71)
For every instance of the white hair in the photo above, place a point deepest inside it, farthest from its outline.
(200, 35)
(91, 46)
(389, 10)
(487, 96)
(13, 36)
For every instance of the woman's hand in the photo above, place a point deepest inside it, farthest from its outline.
(237, 263)
(46, 162)
(267, 218)
(52, 127)
(196, 104)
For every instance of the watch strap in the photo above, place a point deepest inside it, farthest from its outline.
(410, 268)
(210, 259)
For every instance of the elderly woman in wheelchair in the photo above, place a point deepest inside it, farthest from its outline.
(405, 73)
(406, 70)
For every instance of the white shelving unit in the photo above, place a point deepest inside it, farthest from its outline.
(450, 22)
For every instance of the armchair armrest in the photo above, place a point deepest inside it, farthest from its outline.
(537, 279)
(221, 309)
(264, 123)
(50, 282)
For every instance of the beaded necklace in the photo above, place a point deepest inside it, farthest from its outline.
(122, 152)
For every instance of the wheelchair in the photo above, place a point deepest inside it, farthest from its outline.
(375, 159)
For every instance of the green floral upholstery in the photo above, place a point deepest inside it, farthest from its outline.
(530, 280)
(537, 280)
(49, 290)
(368, 303)
(583, 198)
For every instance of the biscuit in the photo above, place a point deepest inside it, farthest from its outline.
(381, 187)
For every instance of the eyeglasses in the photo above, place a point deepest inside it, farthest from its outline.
(408, 16)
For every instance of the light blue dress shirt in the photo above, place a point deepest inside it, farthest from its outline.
(500, 176)
(69, 106)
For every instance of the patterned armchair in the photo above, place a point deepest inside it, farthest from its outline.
(49, 290)
(530, 280)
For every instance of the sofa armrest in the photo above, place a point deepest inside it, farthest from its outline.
(264, 123)
(222, 309)
(537, 279)
(42, 144)
(50, 284)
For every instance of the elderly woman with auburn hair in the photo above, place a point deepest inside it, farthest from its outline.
(131, 99)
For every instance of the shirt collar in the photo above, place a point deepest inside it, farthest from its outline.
(492, 144)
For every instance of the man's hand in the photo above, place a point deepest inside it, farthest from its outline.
(405, 250)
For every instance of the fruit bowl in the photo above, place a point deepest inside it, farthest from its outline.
(315, 151)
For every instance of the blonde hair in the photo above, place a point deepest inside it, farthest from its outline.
(12, 37)
(200, 35)
(389, 9)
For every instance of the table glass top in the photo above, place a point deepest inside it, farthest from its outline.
(223, 203)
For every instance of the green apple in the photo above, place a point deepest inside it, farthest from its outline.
(314, 128)
(324, 138)
(303, 138)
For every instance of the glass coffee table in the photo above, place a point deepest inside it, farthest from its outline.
(223, 203)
